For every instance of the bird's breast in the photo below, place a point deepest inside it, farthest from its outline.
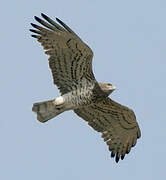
(83, 96)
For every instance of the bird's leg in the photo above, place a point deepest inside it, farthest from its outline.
(59, 101)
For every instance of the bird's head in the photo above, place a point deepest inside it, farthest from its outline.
(107, 88)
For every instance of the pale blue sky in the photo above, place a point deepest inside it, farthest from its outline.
(129, 43)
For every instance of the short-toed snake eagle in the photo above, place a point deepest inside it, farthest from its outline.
(70, 61)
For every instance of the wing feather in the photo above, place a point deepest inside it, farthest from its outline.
(70, 58)
(117, 124)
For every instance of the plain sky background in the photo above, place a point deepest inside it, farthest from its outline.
(129, 42)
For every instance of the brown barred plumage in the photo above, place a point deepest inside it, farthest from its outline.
(70, 61)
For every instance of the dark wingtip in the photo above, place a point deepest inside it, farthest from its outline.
(44, 16)
(32, 30)
(34, 36)
(117, 158)
(122, 157)
(112, 154)
(35, 31)
(37, 19)
(59, 20)
(33, 25)
(127, 151)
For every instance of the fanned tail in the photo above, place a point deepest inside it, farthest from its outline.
(46, 110)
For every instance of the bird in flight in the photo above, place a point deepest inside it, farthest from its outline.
(70, 61)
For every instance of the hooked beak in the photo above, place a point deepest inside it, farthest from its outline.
(112, 87)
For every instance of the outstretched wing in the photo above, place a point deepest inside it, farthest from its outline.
(70, 58)
(117, 124)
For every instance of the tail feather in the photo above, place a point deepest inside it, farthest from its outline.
(46, 110)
